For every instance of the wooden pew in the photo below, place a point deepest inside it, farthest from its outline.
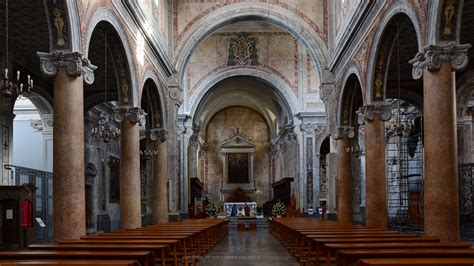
(350, 257)
(70, 262)
(173, 244)
(144, 258)
(418, 262)
(319, 242)
(158, 249)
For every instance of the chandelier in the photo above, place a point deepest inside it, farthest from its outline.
(10, 87)
(148, 154)
(105, 131)
(400, 123)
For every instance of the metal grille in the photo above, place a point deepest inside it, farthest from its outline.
(466, 209)
(404, 153)
(44, 198)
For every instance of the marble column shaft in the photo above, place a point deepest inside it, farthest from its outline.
(70, 71)
(130, 211)
(68, 152)
(344, 186)
(375, 174)
(441, 202)
(441, 199)
(160, 182)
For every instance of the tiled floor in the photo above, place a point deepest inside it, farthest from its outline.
(248, 248)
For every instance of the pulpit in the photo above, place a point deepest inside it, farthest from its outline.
(281, 192)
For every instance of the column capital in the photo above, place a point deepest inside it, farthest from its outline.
(309, 128)
(431, 57)
(74, 63)
(344, 131)
(159, 133)
(369, 111)
(134, 114)
(326, 88)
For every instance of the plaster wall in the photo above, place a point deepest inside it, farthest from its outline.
(222, 126)
(278, 52)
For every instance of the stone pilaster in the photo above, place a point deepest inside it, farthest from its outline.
(160, 176)
(437, 63)
(374, 116)
(309, 163)
(70, 71)
(130, 211)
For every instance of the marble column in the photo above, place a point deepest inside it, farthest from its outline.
(441, 203)
(344, 174)
(130, 211)
(376, 209)
(160, 176)
(70, 71)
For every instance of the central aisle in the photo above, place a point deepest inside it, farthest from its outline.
(248, 248)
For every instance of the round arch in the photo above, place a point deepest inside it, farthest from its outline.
(259, 11)
(273, 80)
(352, 72)
(151, 76)
(396, 9)
(153, 92)
(105, 15)
(347, 99)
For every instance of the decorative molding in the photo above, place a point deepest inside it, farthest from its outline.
(326, 89)
(345, 131)
(134, 114)
(74, 63)
(309, 128)
(433, 56)
(159, 133)
(242, 50)
(369, 111)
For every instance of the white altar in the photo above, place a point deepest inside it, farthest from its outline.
(238, 208)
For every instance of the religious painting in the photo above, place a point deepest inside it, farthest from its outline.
(114, 165)
(238, 167)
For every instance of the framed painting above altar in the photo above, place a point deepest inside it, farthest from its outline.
(238, 167)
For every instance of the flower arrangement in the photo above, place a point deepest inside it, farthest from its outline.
(279, 209)
(211, 210)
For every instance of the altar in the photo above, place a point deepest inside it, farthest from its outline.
(238, 209)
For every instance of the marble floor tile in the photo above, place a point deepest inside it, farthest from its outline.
(248, 248)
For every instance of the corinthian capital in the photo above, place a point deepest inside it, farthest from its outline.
(134, 114)
(159, 133)
(432, 57)
(370, 111)
(74, 63)
(344, 131)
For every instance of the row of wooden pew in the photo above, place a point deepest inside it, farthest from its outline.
(318, 242)
(173, 243)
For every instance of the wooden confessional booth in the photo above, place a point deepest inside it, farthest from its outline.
(16, 216)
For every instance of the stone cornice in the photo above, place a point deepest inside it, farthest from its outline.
(74, 63)
(431, 57)
(156, 43)
(370, 111)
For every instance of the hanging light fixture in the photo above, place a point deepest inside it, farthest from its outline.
(148, 154)
(11, 88)
(105, 131)
(400, 124)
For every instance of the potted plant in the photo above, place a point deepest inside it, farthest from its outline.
(279, 209)
(211, 210)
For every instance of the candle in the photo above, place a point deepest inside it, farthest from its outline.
(21, 87)
(31, 85)
(18, 75)
(6, 73)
